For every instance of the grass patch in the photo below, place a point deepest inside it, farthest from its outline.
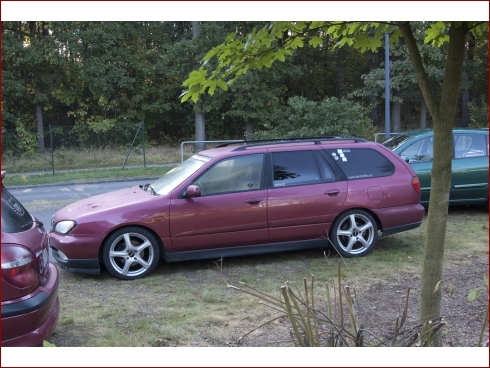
(189, 303)
(70, 159)
(82, 176)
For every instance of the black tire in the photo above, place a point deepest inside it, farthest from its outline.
(131, 252)
(354, 233)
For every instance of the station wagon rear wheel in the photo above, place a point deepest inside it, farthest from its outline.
(354, 233)
(131, 253)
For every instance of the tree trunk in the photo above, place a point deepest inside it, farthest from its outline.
(423, 115)
(200, 123)
(249, 133)
(465, 98)
(374, 114)
(395, 114)
(443, 115)
(37, 95)
(200, 129)
(340, 67)
(39, 119)
(249, 125)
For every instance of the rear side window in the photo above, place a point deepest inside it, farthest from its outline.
(298, 168)
(15, 217)
(470, 145)
(362, 163)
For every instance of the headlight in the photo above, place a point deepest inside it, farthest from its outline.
(64, 227)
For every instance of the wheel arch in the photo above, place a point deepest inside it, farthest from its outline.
(157, 237)
(371, 212)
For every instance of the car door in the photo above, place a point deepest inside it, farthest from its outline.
(469, 181)
(304, 193)
(419, 155)
(231, 210)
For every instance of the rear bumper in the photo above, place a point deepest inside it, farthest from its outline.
(399, 229)
(28, 322)
(401, 218)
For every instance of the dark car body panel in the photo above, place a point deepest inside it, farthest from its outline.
(469, 179)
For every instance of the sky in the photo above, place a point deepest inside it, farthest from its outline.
(244, 10)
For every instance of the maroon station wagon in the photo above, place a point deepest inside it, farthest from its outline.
(30, 303)
(242, 199)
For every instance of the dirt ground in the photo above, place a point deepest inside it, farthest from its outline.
(383, 302)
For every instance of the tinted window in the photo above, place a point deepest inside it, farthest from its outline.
(362, 163)
(234, 174)
(421, 150)
(15, 217)
(470, 145)
(295, 168)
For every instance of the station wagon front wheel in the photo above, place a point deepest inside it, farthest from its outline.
(354, 233)
(131, 253)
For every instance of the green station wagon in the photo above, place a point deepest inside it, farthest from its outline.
(469, 180)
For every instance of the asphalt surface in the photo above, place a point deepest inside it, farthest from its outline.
(47, 199)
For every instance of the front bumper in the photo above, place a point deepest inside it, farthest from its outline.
(90, 265)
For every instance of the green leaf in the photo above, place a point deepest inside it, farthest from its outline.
(315, 41)
(438, 286)
(297, 42)
(475, 293)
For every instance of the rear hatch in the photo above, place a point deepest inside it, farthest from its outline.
(25, 250)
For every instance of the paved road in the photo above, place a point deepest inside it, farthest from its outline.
(57, 195)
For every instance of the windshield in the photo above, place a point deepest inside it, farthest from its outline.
(177, 175)
(395, 142)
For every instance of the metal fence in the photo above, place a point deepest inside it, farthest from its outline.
(124, 136)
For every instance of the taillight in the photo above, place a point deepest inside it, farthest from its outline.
(416, 184)
(19, 267)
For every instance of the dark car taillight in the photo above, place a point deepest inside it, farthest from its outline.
(416, 184)
(19, 267)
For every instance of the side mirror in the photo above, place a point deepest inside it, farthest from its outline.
(193, 191)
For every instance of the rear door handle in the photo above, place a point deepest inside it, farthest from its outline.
(332, 192)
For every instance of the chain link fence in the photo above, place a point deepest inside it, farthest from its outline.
(72, 147)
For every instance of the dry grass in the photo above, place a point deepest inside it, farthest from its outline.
(69, 159)
(189, 303)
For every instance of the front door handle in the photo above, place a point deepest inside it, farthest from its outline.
(253, 200)
(332, 192)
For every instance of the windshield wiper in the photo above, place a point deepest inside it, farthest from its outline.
(148, 186)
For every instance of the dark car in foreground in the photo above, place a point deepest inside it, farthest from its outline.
(469, 178)
(30, 303)
(242, 199)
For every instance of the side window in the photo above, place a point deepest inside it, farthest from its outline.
(235, 174)
(362, 163)
(421, 150)
(295, 168)
(470, 145)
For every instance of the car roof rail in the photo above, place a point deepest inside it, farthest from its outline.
(264, 142)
